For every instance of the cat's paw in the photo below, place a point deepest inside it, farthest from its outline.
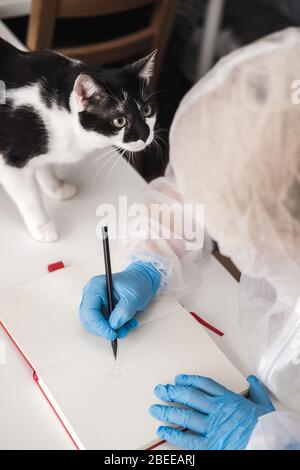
(44, 233)
(63, 192)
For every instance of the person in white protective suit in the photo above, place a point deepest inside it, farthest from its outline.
(234, 147)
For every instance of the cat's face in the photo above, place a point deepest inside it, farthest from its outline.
(117, 105)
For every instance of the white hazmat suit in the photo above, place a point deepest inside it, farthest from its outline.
(235, 147)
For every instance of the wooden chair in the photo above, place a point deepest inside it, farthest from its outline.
(44, 14)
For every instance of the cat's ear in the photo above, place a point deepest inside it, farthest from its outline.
(144, 68)
(85, 89)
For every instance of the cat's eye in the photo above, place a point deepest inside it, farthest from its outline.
(120, 122)
(147, 110)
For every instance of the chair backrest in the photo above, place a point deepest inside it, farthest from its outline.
(155, 35)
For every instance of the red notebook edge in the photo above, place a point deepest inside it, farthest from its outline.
(37, 382)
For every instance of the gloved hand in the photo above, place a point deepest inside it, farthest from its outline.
(217, 418)
(133, 289)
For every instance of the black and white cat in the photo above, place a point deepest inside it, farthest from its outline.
(57, 110)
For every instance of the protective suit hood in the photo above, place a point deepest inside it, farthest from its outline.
(239, 132)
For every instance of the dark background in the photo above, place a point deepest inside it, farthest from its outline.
(244, 20)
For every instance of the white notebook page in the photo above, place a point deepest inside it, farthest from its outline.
(105, 403)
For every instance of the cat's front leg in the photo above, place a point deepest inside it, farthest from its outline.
(21, 185)
(52, 186)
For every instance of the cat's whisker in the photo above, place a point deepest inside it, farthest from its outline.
(87, 167)
(127, 155)
(114, 97)
(160, 135)
(162, 139)
(154, 93)
(107, 161)
(95, 160)
(132, 159)
(101, 157)
(111, 151)
(121, 154)
(141, 90)
(108, 158)
(144, 91)
(158, 150)
(161, 130)
(157, 146)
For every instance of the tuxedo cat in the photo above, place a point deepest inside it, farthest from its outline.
(57, 110)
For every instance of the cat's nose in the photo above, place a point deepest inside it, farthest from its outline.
(145, 131)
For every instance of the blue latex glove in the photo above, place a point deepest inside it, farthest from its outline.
(133, 289)
(216, 418)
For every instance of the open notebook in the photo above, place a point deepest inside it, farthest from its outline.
(102, 403)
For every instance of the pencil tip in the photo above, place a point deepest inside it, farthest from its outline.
(114, 345)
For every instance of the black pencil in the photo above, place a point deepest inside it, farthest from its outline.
(109, 283)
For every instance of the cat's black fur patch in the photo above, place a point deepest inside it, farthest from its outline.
(100, 118)
(22, 132)
(26, 122)
(54, 72)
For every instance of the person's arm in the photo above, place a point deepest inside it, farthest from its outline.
(151, 264)
(175, 232)
(276, 431)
